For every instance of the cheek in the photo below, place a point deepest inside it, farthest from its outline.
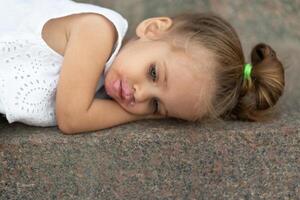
(122, 68)
(130, 65)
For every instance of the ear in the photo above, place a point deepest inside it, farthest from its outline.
(154, 28)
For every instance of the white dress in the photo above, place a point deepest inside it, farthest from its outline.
(29, 68)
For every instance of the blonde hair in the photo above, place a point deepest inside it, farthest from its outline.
(235, 97)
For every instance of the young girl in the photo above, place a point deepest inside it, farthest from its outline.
(55, 55)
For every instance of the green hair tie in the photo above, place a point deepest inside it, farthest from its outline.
(247, 71)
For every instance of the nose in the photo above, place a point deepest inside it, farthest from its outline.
(142, 93)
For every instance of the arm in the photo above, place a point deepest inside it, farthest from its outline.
(89, 46)
(101, 114)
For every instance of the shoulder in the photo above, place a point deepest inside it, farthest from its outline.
(57, 31)
(92, 33)
(91, 24)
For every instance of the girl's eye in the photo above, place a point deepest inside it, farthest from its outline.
(155, 106)
(152, 72)
(154, 76)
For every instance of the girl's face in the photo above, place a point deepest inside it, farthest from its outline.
(149, 77)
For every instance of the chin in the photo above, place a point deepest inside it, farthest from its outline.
(126, 108)
(131, 110)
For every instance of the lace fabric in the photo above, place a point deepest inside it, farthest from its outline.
(28, 81)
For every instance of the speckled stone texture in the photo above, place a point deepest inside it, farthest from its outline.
(172, 159)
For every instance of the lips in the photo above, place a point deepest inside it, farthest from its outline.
(117, 88)
(122, 90)
(127, 93)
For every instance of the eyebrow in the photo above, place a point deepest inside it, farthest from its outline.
(165, 82)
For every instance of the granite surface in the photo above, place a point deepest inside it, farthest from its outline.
(171, 159)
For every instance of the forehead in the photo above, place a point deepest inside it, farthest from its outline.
(191, 82)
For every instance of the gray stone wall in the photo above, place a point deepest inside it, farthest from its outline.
(256, 20)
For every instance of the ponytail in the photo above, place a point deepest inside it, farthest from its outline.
(259, 93)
